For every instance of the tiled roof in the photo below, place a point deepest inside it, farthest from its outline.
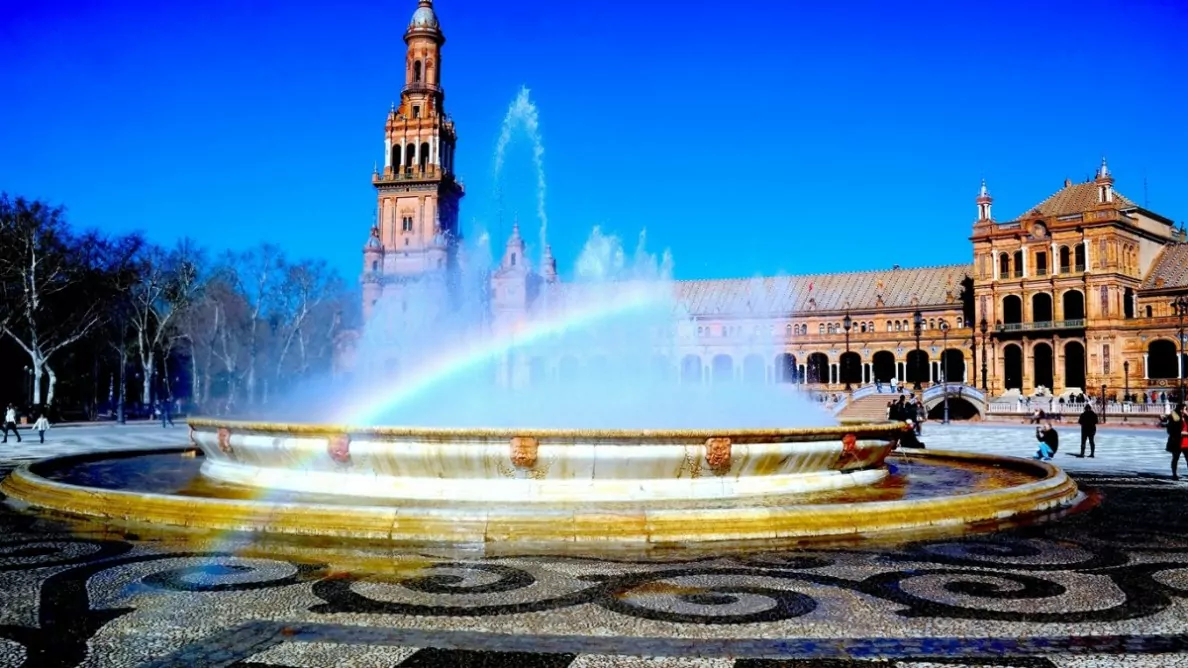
(1075, 198)
(803, 294)
(825, 292)
(1170, 269)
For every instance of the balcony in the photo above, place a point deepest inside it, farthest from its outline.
(1041, 326)
(421, 87)
(1018, 273)
(408, 174)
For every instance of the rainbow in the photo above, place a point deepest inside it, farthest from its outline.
(628, 297)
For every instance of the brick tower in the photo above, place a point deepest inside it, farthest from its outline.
(413, 248)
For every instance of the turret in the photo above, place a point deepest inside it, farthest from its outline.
(984, 201)
(1105, 184)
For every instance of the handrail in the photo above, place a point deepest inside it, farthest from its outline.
(1042, 325)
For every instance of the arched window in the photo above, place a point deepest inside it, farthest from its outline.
(513, 259)
(1079, 258)
(1018, 260)
(821, 328)
(417, 72)
(898, 326)
(862, 327)
(375, 265)
(888, 325)
(931, 324)
(424, 158)
(1004, 266)
(410, 154)
(1065, 260)
(788, 330)
(959, 321)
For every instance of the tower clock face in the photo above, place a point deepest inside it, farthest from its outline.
(1039, 231)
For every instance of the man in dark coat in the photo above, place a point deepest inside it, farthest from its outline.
(1174, 423)
(1049, 442)
(1088, 422)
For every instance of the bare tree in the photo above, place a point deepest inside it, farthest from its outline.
(256, 275)
(59, 282)
(166, 286)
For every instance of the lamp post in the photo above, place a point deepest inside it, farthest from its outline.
(1103, 403)
(1180, 306)
(918, 322)
(945, 367)
(1125, 387)
(847, 323)
(985, 327)
(32, 389)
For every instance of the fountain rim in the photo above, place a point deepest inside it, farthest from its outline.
(887, 430)
(1052, 488)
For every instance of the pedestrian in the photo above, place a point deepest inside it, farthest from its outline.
(41, 425)
(166, 413)
(1088, 422)
(878, 386)
(10, 423)
(1049, 442)
(1176, 431)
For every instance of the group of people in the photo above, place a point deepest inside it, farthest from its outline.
(909, 411)
(1177, 437)
(1049, 439)
(10, 418)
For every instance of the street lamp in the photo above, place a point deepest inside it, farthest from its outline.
(1125, 387)
(1180, 306)
(985, 327)
(1103, 403)
(32, 387)
(945, 366)
(847, 323)
(918, 321)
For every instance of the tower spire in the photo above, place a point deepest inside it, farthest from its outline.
(984, 200)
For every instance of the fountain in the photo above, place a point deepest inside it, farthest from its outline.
(566, 423)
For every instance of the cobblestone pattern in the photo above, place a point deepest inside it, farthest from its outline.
(1108, 587)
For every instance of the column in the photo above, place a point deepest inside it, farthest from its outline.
(403, 148)
(1146, 374)
(1054, 259)
(387, 152)
(993, 263)
(1085, 242)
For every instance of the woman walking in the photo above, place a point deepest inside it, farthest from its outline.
(1177, 437)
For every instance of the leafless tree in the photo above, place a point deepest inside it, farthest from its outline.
(59, 282)
(166, 284)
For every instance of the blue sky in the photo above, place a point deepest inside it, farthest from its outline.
(749, 138)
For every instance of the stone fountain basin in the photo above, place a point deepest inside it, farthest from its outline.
(527, 465)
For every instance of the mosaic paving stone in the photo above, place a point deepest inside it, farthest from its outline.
(1104, 588)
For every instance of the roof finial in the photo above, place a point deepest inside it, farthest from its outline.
(393, 107)
(983, 192)
(1104, 171)
(375, 167)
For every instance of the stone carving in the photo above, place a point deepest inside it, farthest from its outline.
(717, 453)
(523, 451)
(849, 449)
(339, 448)
(225, 441)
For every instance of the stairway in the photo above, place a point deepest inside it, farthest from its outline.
(871, 408)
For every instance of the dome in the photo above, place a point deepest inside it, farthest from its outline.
(424, 18)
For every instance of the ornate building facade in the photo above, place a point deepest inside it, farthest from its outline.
(1074, 294)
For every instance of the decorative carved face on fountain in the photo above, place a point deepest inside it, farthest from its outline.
(717, 453)
(523, 451)
(225, 441)
(339, 448)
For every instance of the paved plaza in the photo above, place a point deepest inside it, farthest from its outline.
(1107, 587)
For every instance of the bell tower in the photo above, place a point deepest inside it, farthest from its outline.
(418, 193)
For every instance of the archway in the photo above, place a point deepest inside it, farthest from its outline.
(1012, 367)
(1161, 360)
(1074, 305)
(1041, 361)
(1012, 310)
(1041, 307)
(917, 367)
(785, 364)
(753, 370)
(1128, 303)
(1074, 365)
(953, 366)
(818, 368)
(723, 369)
(851, 368)
(959, 409)
(690, 370)
(883, 363)
(568, 369)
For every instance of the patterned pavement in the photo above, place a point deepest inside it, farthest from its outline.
(1108, 587)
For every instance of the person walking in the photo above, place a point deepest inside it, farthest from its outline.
(1088, 422)
(1177, 430)
(41, 425)
(10, 423)
(166, 410)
